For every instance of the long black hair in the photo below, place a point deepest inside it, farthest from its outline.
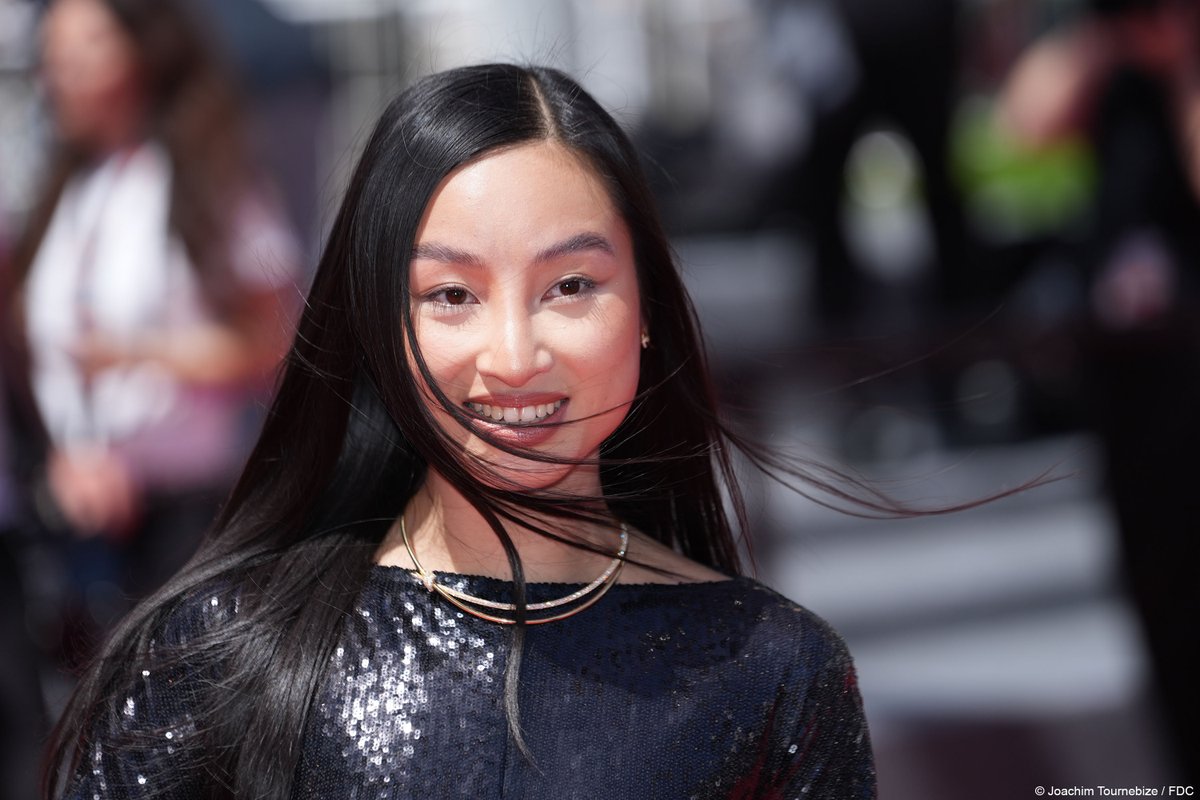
(348, 438)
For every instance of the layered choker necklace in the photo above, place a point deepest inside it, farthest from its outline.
(536, 613)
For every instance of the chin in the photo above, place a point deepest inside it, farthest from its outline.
(509, 472)
(502, 471)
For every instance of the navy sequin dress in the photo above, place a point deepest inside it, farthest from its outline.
(703, 690)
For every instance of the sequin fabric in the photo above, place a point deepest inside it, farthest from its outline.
(713, 690)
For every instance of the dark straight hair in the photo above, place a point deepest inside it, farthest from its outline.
(349, 438)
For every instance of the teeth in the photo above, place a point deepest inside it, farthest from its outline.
(511, 414)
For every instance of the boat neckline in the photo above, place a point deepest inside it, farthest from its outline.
(409, 572)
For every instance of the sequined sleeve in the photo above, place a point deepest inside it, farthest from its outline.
(829, 744)
(140, 748)
(814, 740)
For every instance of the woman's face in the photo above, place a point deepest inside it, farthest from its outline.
(525, 307)
(89, 64)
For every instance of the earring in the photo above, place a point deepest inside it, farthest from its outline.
(645, 340)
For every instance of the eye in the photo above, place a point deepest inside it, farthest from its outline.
(455, 296)
(571, 287)
(450, 296)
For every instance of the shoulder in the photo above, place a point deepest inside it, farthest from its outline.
(179, 647)
(789, 631)
(651, 561)
(749, 623)
(145, 736)
(781, 666)
(785, 615)
(142, 172)
(753, 614)
(815, 729)
(199, 611)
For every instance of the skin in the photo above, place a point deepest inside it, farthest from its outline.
(91, 74)
(525, 295)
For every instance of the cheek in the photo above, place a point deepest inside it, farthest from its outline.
(608, 362)
(446, 352)
(86, 87)
(437, 371)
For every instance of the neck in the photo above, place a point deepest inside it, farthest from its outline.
(450, 535)
(124, 127)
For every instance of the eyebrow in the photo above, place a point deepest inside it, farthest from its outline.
(579, 243)
(445, 254)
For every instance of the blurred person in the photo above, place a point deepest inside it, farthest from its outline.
(484, 545)
(899, 68)
(1127, 78)
(150, 291)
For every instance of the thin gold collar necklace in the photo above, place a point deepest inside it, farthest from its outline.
(575, 601)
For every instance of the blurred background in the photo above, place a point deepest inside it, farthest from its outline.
(946, 244)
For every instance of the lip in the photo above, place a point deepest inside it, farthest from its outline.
(523, 434)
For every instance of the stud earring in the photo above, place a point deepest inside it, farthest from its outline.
(645, 340)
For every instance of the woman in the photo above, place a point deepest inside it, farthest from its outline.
(495, 415)
(149, 288)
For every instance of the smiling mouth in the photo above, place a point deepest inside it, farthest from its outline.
(510, 415)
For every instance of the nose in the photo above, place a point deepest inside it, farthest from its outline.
(514, 351)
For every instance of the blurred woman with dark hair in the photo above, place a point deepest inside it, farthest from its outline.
(482, 547)
(149, 289)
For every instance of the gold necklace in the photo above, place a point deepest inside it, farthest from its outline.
(583, 597)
